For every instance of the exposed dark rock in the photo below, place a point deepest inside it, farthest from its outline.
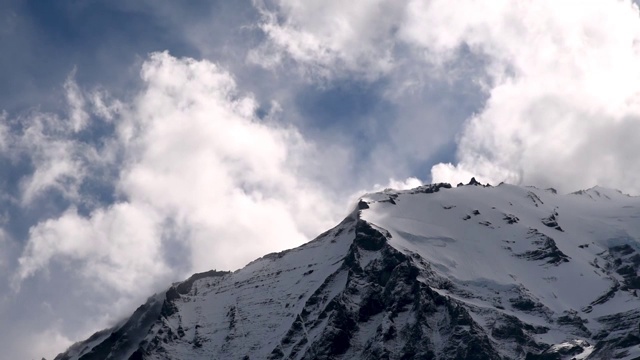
(510, 219)
(552, 222)
(534, 198)
(510, 330)
(390, 200)
(625, 261)
(622, 250)
(387, 288)
(524, 304)
(168, 307)
(608, 295)
(368, 238)
(137, 355)
(474, 182)
(572, 318)
(430, 188)
(362, 205)
(546, 249)
(543, 356)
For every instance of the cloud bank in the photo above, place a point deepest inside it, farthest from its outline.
(200, 181)
(559, 77)
(199, 172)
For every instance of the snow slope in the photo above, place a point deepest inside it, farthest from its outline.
(436, 272)
(580, 253)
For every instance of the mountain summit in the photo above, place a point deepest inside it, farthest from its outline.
(436, 272)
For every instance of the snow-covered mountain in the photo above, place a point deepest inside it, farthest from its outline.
(437, 272)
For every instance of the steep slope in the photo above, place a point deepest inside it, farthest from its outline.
(436, 272)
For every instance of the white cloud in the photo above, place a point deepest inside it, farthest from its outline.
(41, 342)
(202, 183)
(59, 161)
(4, 131)
(319, 33)
(238, 184)
(76, 102)
(564, 107)
(199, 171)
(406, 184)
(4, 245)
(454, 174)
(118, 246)
(417, 108)
(104, 106)
(561, 77)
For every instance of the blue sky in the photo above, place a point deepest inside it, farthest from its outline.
(143, 141)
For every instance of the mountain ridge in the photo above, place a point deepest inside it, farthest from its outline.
(435, 272)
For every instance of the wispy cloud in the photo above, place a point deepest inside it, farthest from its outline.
(559, 77)
(199, 175)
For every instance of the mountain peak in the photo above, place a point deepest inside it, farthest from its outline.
(599, 192)
(435, 272)
(474, 182)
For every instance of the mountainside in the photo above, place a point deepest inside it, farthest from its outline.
(472, 272)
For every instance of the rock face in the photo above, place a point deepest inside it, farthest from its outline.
(436, 272)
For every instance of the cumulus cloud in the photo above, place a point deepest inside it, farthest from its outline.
(233, 176)
(117, 246)
(559, 77)
(199, 173)
(418, 105)
(201, 182)
(564, 108)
